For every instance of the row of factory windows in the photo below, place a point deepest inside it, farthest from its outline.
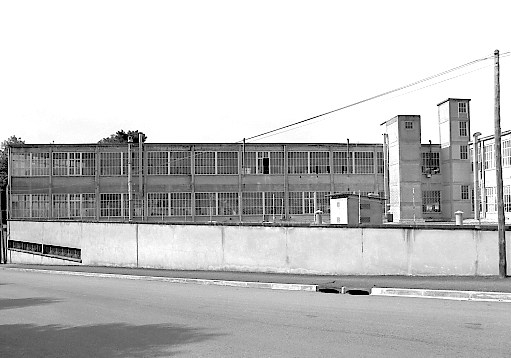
(204, 163)
(112, 205)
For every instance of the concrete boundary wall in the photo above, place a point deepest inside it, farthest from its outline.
(391, 250)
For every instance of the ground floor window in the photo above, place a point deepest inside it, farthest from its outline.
(431, 201)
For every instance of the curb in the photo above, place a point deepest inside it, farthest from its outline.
(443, 294)
(196, 281)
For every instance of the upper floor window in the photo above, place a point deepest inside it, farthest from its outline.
(489, 159)
(31, 164)
(465, 192)
(363, 163)
(463, 151)
(430, 163)
(298, 162)
(463, 128)
(408, 125)
(462, 107)
(506, 152)
(73, 164)
(319, 162)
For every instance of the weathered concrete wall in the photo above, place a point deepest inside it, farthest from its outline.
(292, 249)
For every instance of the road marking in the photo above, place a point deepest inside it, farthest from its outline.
(443, 294)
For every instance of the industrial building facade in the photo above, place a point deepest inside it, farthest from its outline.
(252, 182)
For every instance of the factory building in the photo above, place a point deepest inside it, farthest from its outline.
(255, 182)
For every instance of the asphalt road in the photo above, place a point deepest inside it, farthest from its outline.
(43, 315)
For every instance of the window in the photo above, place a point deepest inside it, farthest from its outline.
(60, 206)
(276, 162)
(74, 205)
(110, 163)
(295, 202)
(430, 163)
(431, 201)
(463, 151)
(158, 204)
(180, 204)
(21, 164)
(489, 159)
(157, 163)
(364, 162)
(134, 163)
(111, 205)
(465, 192)
(298, 162)
(205, 163)
(491, 199)
(227, 162)
(507, 198)
(408, 125)
(274, 203)
(180, 163)
(40, 164)
(506, 153)
(341, 163)
(20, 206)
(463, 128)
(319, 162)
(380, 162)
(257, 163)
(462, 107)
(40, 206)
(228, 204)
(73, 164)
(252, 203)
(205, 204)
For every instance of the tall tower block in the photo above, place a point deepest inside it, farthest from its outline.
(404, 148)
(454, 126)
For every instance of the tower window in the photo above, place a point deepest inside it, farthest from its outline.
(463, 128)
(465, 190)
(408, 125)
(463, 151)
(462, 107)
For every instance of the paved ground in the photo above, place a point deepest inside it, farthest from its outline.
(51, 315)
(483, 284)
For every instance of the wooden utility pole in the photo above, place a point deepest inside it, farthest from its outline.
(498, 171)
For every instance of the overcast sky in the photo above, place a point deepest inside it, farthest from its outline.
(221, 71)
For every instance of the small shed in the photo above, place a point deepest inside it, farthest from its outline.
(355, 209)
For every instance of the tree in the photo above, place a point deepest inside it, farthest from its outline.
(122, 137)
(4, 158)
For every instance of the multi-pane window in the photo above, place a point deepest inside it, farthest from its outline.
(180, 204)
(430, 163)
(205, 163)
(73, 164)
(180, 163)
(40, 164)
(252, 203)
(431, 201)
(21, 164)
(205, 204)
(135, 168)
(491, 199)
(158, 163)
(227, 162)
(40, 205)
(20, 206)
(111, 205)
(463, 128)
(319, 162)
(137, 205)
(380, 162)
(264, 162)
(341, 162)
(110, 163)
(506, 152)
(364, 162)
(298, 162)
(465, 192)
(408, 125)
(158, 204)
(74, 205)
(296, 202)
(489, 159)
(507, 198)
(463, 151)
(274, 203)
(462, 107)
(228, 204)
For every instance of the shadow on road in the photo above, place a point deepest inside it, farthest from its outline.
(10, 303)
(105, 340)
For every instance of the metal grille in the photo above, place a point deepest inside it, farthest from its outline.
(205, 163)
(227, 162)
(228, 204)
(158, 204)
(205, 204)
(180, 163)
(158, 163)
(111, 205)
(431, 201)
(341, 162)
(319, 162)
(298, 162)
(364, 162)
(110, 163)
(252, 203)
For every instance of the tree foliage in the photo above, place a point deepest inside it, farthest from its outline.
(122, 137)
(4, 158)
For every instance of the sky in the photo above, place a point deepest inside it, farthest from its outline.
(219, 71)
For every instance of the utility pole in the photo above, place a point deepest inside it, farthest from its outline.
(476, 177)
(130, 191)
(498, 171)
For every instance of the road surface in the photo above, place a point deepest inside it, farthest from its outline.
(44, 315)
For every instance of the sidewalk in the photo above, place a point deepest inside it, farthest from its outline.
(334, 284)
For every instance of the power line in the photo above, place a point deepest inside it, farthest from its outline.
(372, 98)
